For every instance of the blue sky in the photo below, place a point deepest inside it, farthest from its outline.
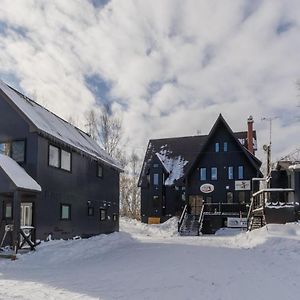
(167, 68)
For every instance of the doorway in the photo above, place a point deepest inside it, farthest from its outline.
(195, 203)
(26, 214)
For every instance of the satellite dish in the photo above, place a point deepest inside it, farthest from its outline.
(265, 147)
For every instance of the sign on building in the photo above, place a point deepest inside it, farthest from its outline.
(242, 185)
(237, 222)
(207, 188)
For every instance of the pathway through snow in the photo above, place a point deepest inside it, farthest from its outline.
(152, 262)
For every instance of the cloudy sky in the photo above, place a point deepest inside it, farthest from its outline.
(169, 67)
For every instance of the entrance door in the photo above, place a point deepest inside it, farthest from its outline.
(26, 214)
(195, 203)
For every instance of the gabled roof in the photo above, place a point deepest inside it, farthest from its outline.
(17, 175)
(188, 150)
(48, 124)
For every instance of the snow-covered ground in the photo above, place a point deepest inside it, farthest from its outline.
(153, 262)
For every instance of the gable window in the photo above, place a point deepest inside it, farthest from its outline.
(7, 212)
(99, 171)
(54, 156)
(155, 179)
(229, 197)
(103, 214)
(225, 146)
(217, 147)
(65, 212)
(241, 172)
(214, 173)
(230, 172)
(65, 160)
(202, 174)
(155, 165)
(15, 149)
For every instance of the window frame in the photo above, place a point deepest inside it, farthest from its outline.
(115, 217)
(232, 197)
(101, 209)
(99, 166)
(60, 158)
(11, 147)
(230, 173)
(154, 179)
(225, 146)
(205, 173)
(5, 204)
(69, 211)
(217, 147)
(69, 152)
(241, 172)
(211, 173)
(92, 212)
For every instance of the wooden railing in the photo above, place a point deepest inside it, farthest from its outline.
(200, 220)
(182, 217)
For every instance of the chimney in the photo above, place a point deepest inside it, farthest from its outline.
(250, 135)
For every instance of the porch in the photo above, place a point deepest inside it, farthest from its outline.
(18, 193)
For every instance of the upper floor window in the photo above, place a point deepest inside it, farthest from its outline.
(214, 173)
(14, 149)
(155, 179)
(241, 172)
(99, 171)
(202, 173)
(225, 146)
(59, 158)
(65, 160)
(230, 172)
(155, 165)
(217, 147)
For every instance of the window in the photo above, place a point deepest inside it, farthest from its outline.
(15, 149)
(54, 156)
(214, 174)
(7, 210)
(103, 214)
(202, 173)
(230, 172)
(217, 147)
(65, 212)
(99, 171)
(229, 197)
(65, 160)
(241, 172)
(155, 179)
(155, 165)
(225, 146)
(90, 211)
(242, 197)
(115, 217)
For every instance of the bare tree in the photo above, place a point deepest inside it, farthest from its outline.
(92, 124)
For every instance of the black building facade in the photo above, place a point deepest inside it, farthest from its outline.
(79, 182)
(214, 170)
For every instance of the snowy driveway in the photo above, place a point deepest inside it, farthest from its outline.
(144, 262)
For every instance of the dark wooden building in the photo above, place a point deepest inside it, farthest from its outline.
(205, 176)
(79, 181)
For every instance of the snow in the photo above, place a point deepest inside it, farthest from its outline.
(153, 262)
(295, 167)
(17, 174)
(56, 127)
(174, 166)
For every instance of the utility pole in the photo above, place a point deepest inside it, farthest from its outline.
(268, 148)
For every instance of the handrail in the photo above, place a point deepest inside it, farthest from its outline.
(182, 217)
(249, 213)
(200, 220)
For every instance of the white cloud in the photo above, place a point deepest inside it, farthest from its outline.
(173, 65)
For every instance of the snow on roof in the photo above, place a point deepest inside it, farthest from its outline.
(174, 166)
(17, 174)
(294, 167)
(52, 125)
